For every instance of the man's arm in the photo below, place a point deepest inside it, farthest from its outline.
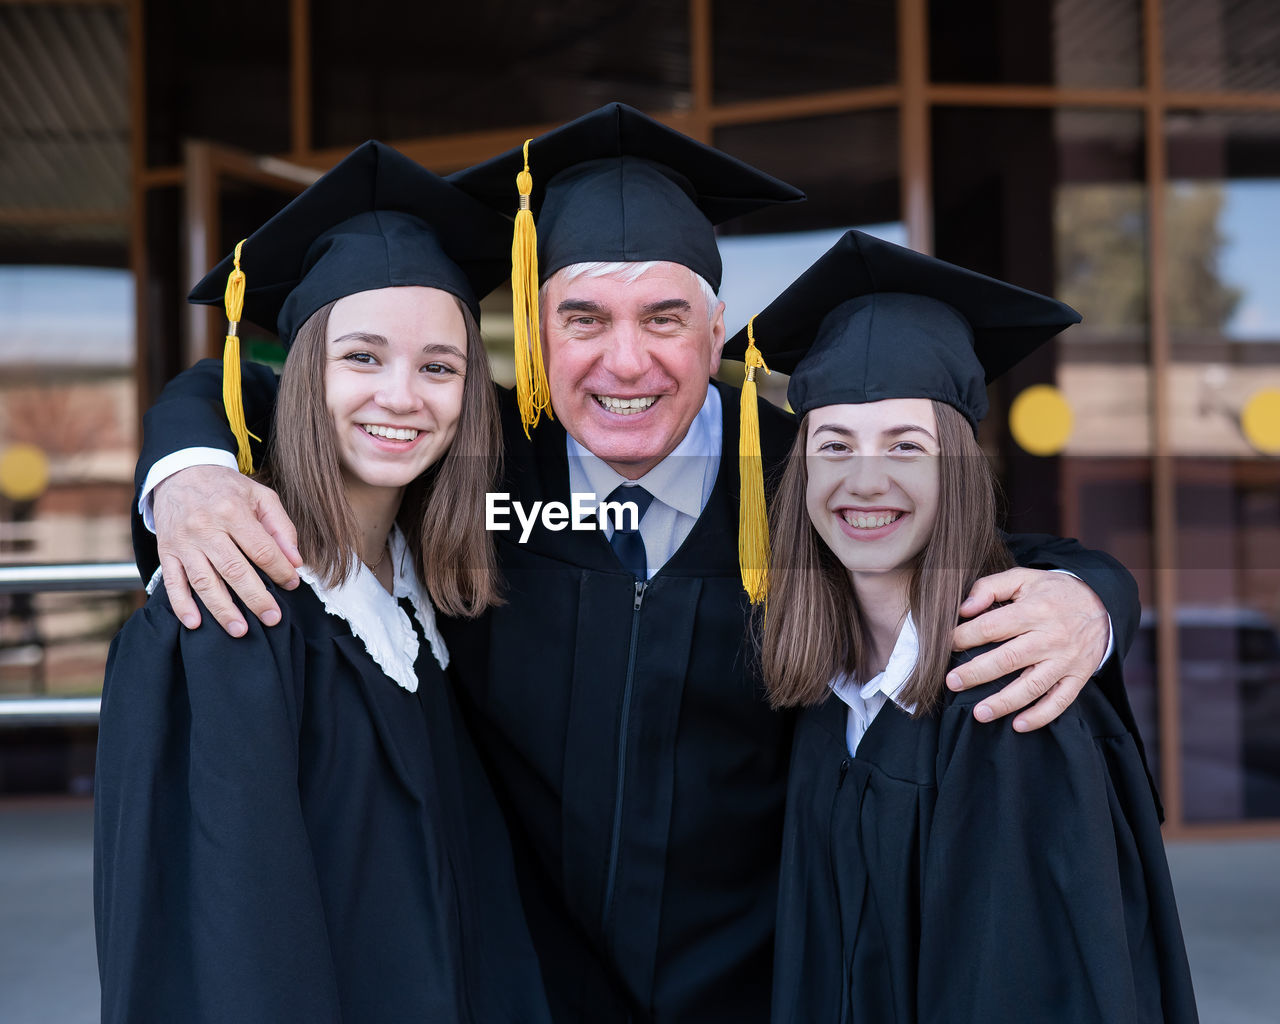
(1054, 628)
(211, 522)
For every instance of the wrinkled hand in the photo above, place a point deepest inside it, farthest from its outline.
(211, 523)
(1055, 629)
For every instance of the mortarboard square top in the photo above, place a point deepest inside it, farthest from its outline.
(618, 186)
(871, 320)
(376, 220)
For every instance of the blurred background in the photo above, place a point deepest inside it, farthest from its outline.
(1122, 154)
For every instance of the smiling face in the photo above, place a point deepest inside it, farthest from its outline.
(395, 362)
(628, 362)
(873, 483)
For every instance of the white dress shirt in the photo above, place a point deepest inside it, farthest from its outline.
(866, 700)
(681, 484)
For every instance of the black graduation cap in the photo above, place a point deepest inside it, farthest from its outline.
(872, 320)
(614, 185)
(376, 220)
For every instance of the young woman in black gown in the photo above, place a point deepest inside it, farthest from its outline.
(935, 869)
(293, 825)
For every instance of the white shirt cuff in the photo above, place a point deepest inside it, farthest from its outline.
(170, 464)
(1111, 633)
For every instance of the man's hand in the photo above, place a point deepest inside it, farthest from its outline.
(1055, 629)
(211, 522)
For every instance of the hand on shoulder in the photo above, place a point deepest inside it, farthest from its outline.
(213, 526)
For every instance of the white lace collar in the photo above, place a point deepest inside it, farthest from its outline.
(377, 618)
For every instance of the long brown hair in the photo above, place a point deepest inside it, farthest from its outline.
(442, 513)
(814, 629)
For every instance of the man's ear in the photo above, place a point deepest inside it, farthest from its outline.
(717, 339)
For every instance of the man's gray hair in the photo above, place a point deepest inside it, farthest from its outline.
(627, 273)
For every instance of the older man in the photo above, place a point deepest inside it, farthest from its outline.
(614, 696)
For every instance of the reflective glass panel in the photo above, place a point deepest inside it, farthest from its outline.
(847, 166)
(1220, 214)
(1221, 44)
(762, 51)
(68, 396)
(1224, 310)
(1054, 201)
(67, 447)
(217, 71)
(392, 71)
(1083, 43)
(1229, 637)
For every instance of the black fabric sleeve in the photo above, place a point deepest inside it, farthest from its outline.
(1113, 584)
(207, 903)
(1044, 879)
(189, 414)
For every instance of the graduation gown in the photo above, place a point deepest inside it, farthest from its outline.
(644, 770)
(283, 833)
(959, 873)
(626, 729)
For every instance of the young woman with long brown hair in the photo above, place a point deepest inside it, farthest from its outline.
(293, 825)
(935, 868)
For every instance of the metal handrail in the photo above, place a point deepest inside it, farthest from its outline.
(18, 579)
(49, 710)
(82, 576)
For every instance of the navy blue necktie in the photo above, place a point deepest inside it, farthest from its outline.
(626, 541)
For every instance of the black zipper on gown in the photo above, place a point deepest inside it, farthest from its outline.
(616, 840)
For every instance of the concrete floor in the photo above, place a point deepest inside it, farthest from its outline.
(48, 966)
(1228, 894)
(1229, 902)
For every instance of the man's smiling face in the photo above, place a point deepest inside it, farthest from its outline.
(628, 362)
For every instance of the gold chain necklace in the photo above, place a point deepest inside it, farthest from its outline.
(374, 566)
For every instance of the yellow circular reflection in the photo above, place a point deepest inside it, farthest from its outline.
(24, 472)
(1040, 420)
(1260, 421)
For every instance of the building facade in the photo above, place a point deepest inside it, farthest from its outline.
(1122, 154)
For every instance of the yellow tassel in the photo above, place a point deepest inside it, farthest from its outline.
(533, 393)
(232, 398)
(753, 520)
